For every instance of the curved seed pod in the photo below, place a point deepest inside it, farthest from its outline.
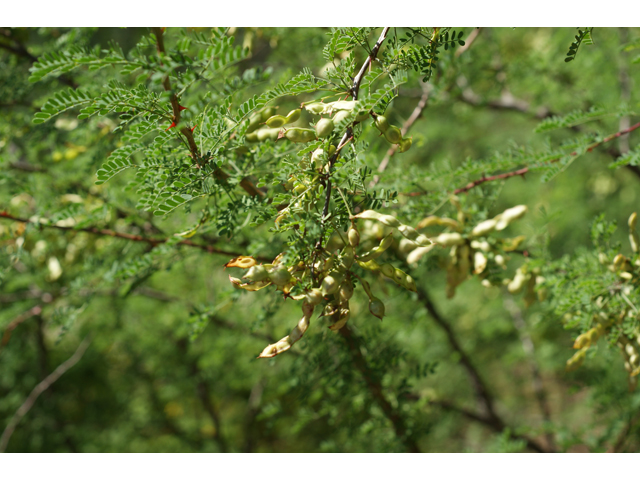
(376, 307)
(405, 246)
(265, 134)
(434, 220)
(398, 276)
(485, 227)
(405, 230)
(345, 314)
(251, 137)
(418, 253)
(324, 127)
(254, 121)
(484, 245)
(509, 215)
(393, 134)
(618, 261)
(530, 293)
(377, 251)
(250, 287)
(354, 236)
(371, 265)
(241, 262)
(293, 115)
(381, 123)
(276, 121)
(348, 256)
(578, 358)
(295, 334)
(449, 239)
(257, 273)
(479, 262)
(314, 296)
(362, 116)
(500, 261)
(300, 135)
(634, 240)
(510, 244)
(516, 285)
(265, 113)
(405, 144)
(280, 276)
(347, 105)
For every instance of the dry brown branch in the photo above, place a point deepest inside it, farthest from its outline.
(41, 387)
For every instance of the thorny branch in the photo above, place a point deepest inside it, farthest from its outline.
(186, 131)
(41, 387)
(128, 236)
(373, 383)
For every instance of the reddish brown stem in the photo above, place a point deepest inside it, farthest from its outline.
(129, 236)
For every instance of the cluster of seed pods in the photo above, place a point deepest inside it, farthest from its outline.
(628, 273)
(274, 127)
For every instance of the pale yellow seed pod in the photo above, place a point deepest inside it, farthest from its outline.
(346, 291)
(485, 227)
(516, 285)
(314, 296)
(329, 285)
(449, 239)
(510, 215)
(280, 276)
(479, 262)
(633, 220)
(341, 115)
(406, 246)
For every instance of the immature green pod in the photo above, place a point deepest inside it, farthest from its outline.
(341, 115)
(393, 134)
(578, 358)
(379, 250)
(346, 291)
(314, 296)
(251, 138)
(276, 121)
(265, 113)
(388, 270)
(300, 135)
(293, 115)
(381, 123)
(257, 273)
(254, 121)
(280, 275)
(348, 256)
(376, 307)
(324, 127)
(405, 145)
(354, 237)
(265, 134)
(317, 108)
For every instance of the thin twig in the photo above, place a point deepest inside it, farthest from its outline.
(128, 236)
(524, 170)
(41, 387)
(468, 42)
(375, 388)
(37, 310)
(529, 349)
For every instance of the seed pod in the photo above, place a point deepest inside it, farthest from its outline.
(300, 135)
(619, 261)
(348, 256)
(314, 296)
(405, 144)
(257, 273)
(510, 244)
(345, 313)
(280, 276)
(376, 307)
(324, 127)
(387, 270)
(265, 113)
(405, 246)
(381, 123)
(377, 251)
(254, 121)
(362, 116)
(393, 134)
(265, 134)
(347, 105)
(405, 230)
(509, 215)
(341, 115)
(316, 108)
(293, 115)
(251, 137)
(516, 285)
(329, 285)
(276, 121)
(295, 334)
(499, 259)
(354, 237)
(485, 227)
(249, 287)
(483, 245)
(449, 239)
(578, 358)
(479, 263)
(241, 262)
(418, 253)
(346, 291)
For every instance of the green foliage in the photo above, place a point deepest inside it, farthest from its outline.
(400, 276)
